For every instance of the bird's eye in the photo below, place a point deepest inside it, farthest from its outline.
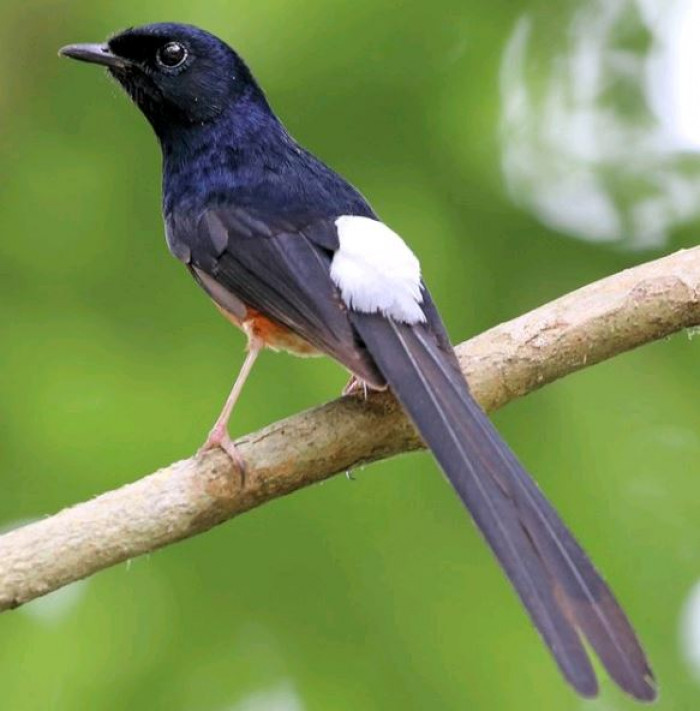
(171, 55)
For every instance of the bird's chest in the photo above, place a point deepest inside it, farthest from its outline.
(273, 335)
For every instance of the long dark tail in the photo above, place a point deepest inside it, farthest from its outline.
(566, 597)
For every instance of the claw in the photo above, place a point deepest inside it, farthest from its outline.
(220, 439)
(354, 385)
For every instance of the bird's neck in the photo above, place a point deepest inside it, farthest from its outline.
(200, 159)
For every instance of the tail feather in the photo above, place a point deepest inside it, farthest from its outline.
(564, 594)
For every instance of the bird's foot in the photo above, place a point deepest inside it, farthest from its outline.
(219, 438)
(355, 385)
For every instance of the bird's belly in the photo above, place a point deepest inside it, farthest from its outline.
(272, 334)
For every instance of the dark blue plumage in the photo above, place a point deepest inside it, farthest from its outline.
(245, 154)
(250, 157)
(294, 255)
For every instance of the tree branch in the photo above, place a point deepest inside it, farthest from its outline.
(589, 325)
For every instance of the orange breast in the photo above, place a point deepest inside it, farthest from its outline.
(274, 336)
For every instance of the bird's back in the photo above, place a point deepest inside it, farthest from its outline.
(253, 163)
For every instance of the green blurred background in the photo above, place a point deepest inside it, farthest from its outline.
(523, 149)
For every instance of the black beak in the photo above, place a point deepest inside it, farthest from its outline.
(95, 54)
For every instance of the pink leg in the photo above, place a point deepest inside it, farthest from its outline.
(350, 386)
(219, 436)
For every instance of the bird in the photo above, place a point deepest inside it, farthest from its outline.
(293, 255)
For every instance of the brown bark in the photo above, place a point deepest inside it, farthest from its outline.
(589, 325)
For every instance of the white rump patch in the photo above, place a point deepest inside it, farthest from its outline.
(375, 270)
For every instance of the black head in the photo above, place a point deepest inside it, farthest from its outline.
(178, 75)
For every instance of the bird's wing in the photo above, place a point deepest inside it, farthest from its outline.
(280, 268)
(352, 288)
